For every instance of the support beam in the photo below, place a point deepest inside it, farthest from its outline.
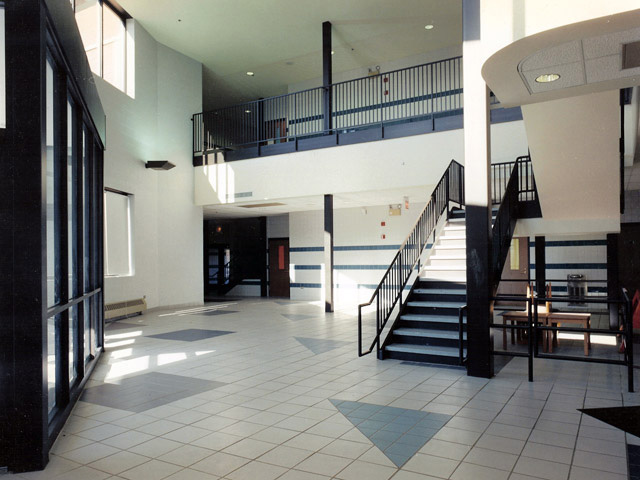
(613, 279)
(328, 253)
(265, 256)
(23, 276)
(541, 261)
(477, 193)
(327, 76)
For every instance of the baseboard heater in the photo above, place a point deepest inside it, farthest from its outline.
(129, 308)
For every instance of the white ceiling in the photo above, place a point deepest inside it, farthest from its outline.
(281, 40)
(587, 56)
(416, 195)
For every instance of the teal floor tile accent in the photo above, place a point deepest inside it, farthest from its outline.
(320, 345)
(398, 432)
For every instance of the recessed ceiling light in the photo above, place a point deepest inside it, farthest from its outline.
(251, 74)
(428, 27)
(547, 78)
(332, 52)
(247, 111)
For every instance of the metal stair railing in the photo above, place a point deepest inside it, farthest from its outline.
(388, 293)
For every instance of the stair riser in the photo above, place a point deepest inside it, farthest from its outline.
(427, 297)
(441, 285)
(416, 357)
(432, 342)
(457, 231)
(451, 242)
(449, 327)
(438, 275)
(448, 311)
(444, 262)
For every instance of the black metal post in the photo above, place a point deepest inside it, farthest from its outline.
(621, 148)
(265, 256)
(613, 285)
(533, 337)
(327, 76)
(629, 343)
(328, 253)
(541, 261)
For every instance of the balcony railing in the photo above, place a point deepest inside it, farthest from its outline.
(416, 94)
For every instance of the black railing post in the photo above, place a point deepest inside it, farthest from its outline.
(378, 329)
(447, 196)
(327, 75)
(533, 337)
(629, 340)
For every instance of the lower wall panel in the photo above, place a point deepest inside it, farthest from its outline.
(361, 255)
(582, 255)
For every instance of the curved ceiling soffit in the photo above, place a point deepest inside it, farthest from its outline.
(587, 56)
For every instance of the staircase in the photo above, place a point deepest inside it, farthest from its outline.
(428, 327)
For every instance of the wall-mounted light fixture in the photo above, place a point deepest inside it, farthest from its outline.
(159, 165)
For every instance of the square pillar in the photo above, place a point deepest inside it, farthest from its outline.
(477, 160)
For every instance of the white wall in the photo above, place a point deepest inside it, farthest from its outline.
(361, 255)
(575, 156)
(574, 254)
(427, 57)
(386, 164)
(154, 124)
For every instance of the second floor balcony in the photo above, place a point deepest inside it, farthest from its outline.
(409, 101)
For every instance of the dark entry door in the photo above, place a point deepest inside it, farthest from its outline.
(515, 268)
(279, 267)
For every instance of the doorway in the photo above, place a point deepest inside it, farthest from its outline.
(279, 267)
(218, 257)
(515, 274)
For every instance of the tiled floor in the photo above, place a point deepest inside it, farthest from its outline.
(286, 397)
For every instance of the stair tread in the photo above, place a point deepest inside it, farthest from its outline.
(447, 257)
(440, 291)
(424, 349)
(425, 332)
(436, 304)
(453, 237)
(444, 268)
(417, 317)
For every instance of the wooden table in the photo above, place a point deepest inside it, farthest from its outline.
(549, 338)
(558, 318)
(521, 317)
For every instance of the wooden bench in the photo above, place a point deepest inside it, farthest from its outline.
(558, 318)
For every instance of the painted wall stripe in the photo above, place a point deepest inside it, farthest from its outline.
(570, 266)
(350, 248)
(572, 243)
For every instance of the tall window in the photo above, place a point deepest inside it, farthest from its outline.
(118, 254)
(73, 294)
(103, 32)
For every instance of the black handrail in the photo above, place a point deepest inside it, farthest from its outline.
(388, 293)
(461, 357)
(504, 225)
(421, 92)
(533, 327)
(501, 174)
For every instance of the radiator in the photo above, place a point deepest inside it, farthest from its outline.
(124, 309)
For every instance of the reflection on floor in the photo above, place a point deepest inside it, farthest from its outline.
(282, 397)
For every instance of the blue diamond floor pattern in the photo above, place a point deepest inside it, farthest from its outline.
(398, 432)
